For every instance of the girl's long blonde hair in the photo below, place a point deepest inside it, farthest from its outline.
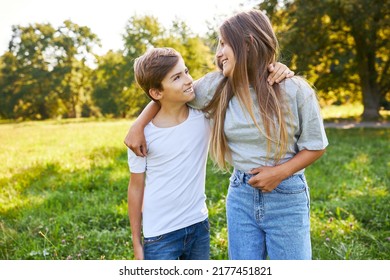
(254, 44)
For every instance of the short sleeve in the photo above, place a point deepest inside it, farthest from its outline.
(312, 136)
(136, 164)
(205, 89)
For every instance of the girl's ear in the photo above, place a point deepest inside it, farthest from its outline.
(155, 93)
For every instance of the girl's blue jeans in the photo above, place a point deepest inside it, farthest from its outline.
(274, 225)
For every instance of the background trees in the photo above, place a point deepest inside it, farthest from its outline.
(53, 72)
(45, 74)
(342, 47)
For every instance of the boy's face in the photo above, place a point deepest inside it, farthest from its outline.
(177, 85)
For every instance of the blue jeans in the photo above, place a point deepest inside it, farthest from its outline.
(189, 243)
(274, 225)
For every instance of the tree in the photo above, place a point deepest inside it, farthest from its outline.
(45, 73)
(341, 44)
(108, 83)
(26, 71)
(73, 48)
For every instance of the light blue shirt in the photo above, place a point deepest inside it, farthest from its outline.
(248, 145)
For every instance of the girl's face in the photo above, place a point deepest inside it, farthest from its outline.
(226, 58)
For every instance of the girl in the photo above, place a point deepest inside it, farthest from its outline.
(269, 134)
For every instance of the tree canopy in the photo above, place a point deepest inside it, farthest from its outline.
(51, 72)
(342, 47)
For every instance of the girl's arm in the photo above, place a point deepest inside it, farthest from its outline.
(135, 197)
(267, 178)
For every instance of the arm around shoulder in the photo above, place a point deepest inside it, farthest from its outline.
(135, 138)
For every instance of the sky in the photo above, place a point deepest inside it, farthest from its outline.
(107, 18)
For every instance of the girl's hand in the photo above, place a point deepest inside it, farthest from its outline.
(265, 178)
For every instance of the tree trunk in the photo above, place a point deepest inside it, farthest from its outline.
(365, 56)
(371, 103)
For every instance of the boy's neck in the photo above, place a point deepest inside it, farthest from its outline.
(171, 115)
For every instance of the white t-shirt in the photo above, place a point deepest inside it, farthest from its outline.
(175, 167)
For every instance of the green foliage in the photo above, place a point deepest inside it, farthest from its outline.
(108, 84)
(44, 74)
(53, 72)
(341, 46)
(64, 190)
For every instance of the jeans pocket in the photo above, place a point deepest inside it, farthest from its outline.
(292, 185)
(206, 224)
(154, 239)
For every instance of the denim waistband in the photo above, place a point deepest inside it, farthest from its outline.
(244, 177)
(241, 175)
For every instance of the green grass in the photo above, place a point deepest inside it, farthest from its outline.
(63, 193)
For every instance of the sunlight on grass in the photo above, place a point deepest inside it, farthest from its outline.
(64, 184)
(346, 112)
(342, 112)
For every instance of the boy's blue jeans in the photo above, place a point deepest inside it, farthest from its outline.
(274, 224)
(189, 243)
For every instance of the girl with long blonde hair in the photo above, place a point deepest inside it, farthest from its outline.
(268, 134)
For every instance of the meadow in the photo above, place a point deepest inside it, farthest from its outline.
(63, 193)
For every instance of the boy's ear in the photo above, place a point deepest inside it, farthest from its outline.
(155, 93)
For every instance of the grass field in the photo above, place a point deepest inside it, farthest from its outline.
(63, 193)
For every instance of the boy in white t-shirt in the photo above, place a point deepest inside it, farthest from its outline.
(166, 192)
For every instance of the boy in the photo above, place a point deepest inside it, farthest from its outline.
(166, 192)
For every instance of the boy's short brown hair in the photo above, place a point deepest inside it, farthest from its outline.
(152, 67)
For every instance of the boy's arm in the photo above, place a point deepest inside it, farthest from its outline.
(278, 72)
(135, 197)
(267, 178)
(135, 138)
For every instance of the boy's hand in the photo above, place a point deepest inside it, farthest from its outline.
(278, 72)
(138, 251)
(135, 140)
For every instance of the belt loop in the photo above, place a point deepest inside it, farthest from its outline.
(241, 176)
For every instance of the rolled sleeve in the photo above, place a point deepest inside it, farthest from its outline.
(313, 136)
(136, 164)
